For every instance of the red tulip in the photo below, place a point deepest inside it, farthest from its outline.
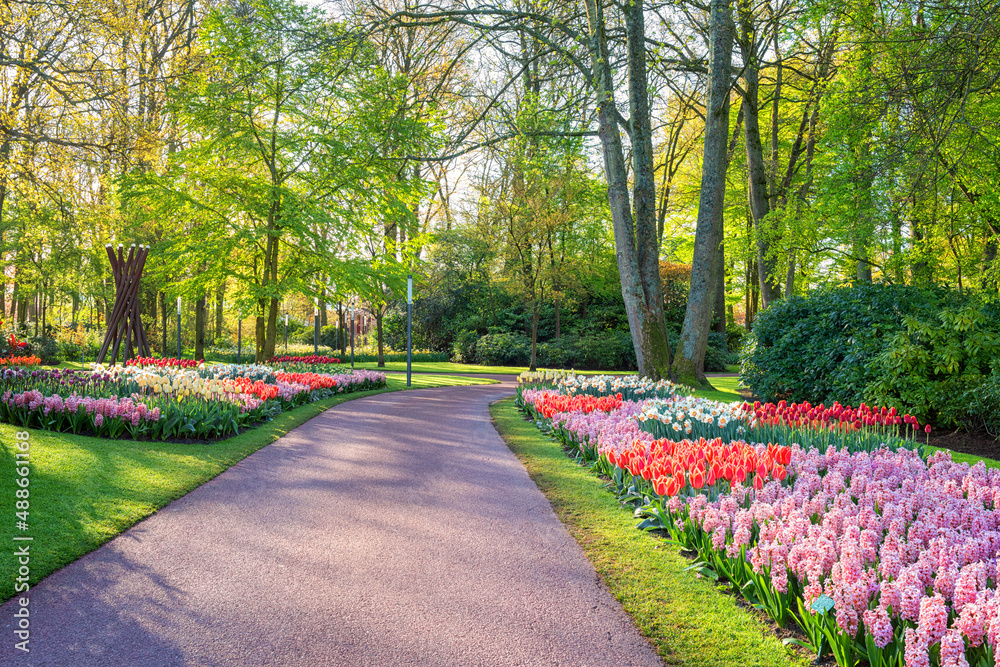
(758, 482)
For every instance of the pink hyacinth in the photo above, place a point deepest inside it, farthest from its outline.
(953, 650)
(879, 626)
(915, 652)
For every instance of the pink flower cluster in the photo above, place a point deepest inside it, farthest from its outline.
(99, 408)
(611, 431)
(247, 402)
(895, 541)
(346, 382)
(288, 391)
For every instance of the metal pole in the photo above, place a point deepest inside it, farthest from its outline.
(409, 326)
(178, 327)
(239, 340)
(352, 336)
(316, 327)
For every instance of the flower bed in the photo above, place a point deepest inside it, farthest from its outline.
(164, 362)
(30, 360)
(879, 555)
(310, 359)
(820, 427)
(163, 401)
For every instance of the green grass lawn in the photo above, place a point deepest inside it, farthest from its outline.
(689, 622)
(85, 490)
(725, 390)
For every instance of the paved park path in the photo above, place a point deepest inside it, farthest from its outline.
(396, 529)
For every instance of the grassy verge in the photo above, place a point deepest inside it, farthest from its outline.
(689, 622)
(725, 390)
(84, 491)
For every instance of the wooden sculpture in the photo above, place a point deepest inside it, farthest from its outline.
(125, 325)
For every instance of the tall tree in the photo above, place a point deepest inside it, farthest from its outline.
(690, 361)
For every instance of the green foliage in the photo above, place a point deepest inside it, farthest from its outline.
(463, 349)
(608, 351)
(716, 360)
(983, 403)
(735, 336)
(46, 348)
(822, 348)
(611, 350)
(503, 349)
(927, 368)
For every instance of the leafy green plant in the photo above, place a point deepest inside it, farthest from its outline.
(503, 349)
(983, 401)
(822, 348)
(463, 349)
(928, 368)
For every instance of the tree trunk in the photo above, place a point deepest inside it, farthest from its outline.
(865, 225)
(15, 311)
(343, 330)
(533, 364)
(689, 363)
(757, 190)
(636, 245)
(220, 296)
(163, 316)
(379, 314)
(199, 327)
(556, 305)
(719, 324)
(790, 275)
(267, 320)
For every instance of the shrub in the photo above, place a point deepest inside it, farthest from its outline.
(822, 348)
(463, 350)
(503, 349)
(927, 368)
(983, 401)
(735, 334)
(562, 353)
(328, 336)
(716, 360)
(607, 351)
(46, 348)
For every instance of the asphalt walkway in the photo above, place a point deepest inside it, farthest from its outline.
(396, 529)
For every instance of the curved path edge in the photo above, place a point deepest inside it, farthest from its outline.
(394, 529)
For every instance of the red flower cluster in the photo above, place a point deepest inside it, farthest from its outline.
(257, 388)
(670, 465)
(836, 417)
(20, 361)
(313, 380)
(311, 359)
(14, 343)
(550, 403)
(168, 362)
